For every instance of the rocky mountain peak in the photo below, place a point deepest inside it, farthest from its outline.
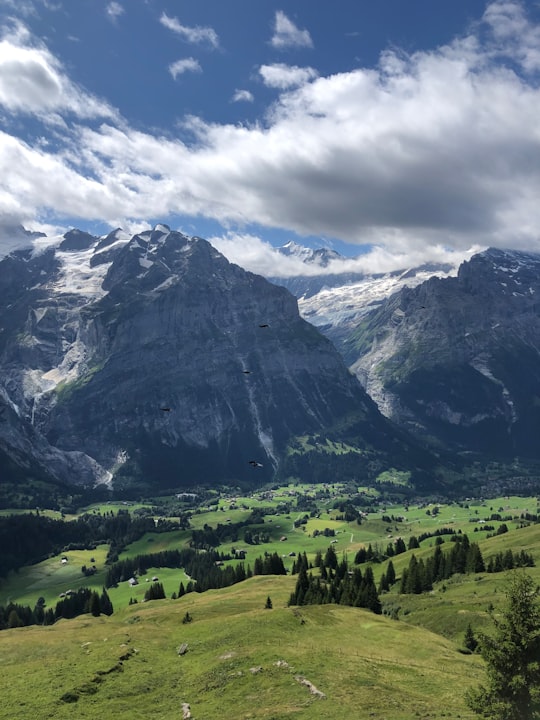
(77, 240)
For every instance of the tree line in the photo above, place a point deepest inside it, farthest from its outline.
(204, 568)
(74, 603)
(336, 583)
(464, 557)
(29, 538)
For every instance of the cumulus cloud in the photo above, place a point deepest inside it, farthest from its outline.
(114, 10)
(510, 27)
(287, 34)
(185, 65)
(242, 96)
(283, 76)
(33, 81)
(196, 35)
(428, 153)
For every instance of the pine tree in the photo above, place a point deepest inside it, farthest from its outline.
(511, 656)
(361, 556)
(384, 586)
(155, 592)
(330, 558)
(475, 561)
(106, 604)
(390, 573)
(14, 620)
(470, 641)
(94, 605)
(400, 546)
(268, 603)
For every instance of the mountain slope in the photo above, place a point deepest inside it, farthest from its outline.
(161, 363)
(458, 360)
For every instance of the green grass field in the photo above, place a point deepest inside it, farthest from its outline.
(50, 578)
(242, 661)
(367, 666)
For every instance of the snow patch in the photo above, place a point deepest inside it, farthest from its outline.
(77, 277)
(165, 284)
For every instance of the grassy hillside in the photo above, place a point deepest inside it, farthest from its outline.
(462, 599)
(242, 661)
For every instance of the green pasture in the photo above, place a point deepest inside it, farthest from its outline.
(170, 578)
(54, 514)
(218, 517)
(241, 661)
(51, 577)
(113, 506)
(157, 542)
(462, 517)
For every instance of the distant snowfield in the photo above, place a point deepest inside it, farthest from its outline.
(339, 305)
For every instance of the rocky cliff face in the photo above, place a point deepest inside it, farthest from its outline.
(155, 360)
(457, 360)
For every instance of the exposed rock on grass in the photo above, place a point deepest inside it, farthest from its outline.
(311, 687)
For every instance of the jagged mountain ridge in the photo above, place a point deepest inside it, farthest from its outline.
(145, 358)
(457, 360)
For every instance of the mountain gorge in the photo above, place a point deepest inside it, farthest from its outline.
(153, 360)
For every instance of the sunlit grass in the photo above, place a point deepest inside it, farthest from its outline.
(365, 665)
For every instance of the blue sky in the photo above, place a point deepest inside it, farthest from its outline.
(406, 131)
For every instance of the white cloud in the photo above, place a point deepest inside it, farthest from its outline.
(283, 76)
(287, 34)
(424, 154)
(242, 96)
(24, 8)
(33, 81)
(185, 65)
(114, 10)
(519, 38)
(258, 256)
(196, 35)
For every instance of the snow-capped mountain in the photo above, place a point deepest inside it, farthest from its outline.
(319, 256)
(153, 360)
(335, 302)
